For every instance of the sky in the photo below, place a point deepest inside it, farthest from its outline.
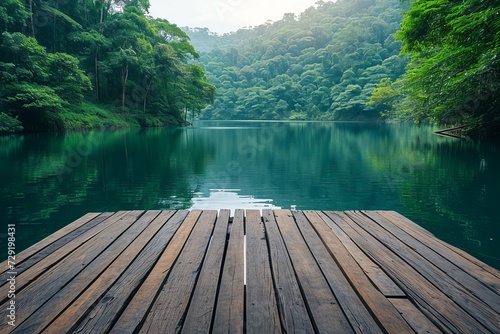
(223, 16)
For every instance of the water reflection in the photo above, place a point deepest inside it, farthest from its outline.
(449, 186)
(230, 199)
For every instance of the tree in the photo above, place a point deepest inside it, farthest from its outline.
(454, 71)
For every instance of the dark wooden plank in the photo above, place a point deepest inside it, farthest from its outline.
(442, 260)
(199, 315)
(78, 269)
(445, 313)
(51, 243)
(291, 306)
(108, 295)
(55, 305)
(415, 318)
(486, 274)
(229, 313)
(261, 308)
(378, 277)
(33, 272)
(388, 317)
(166, 314)
(138, 307)
(321, 302)
(49, 240)
(435, 269)
(353, 307)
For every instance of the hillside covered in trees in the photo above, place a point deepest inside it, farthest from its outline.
(80, 64)
(320, 65)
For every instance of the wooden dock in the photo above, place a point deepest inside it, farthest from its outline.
(275, 271)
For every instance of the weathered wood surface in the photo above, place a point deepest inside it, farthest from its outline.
(306, 272)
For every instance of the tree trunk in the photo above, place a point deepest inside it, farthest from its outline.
(32, 23)
(97, 82)
(124, 85)
(146, 95)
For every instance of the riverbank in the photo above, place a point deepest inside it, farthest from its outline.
(88, 116)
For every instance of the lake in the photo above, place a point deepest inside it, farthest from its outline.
(449, 186)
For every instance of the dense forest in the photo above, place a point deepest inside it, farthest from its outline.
(107, 63)
(80, 64)
(424, 60)
(320, 65)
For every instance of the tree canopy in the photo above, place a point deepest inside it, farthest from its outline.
(57, 54)
(320, 65)
(453, 77)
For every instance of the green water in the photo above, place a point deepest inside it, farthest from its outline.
(449, 186)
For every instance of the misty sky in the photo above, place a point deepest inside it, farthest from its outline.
(225, 15)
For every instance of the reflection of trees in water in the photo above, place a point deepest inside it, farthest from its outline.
(100, 170)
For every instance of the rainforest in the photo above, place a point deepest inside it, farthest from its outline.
(108, 63)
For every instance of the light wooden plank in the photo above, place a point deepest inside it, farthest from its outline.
(486, 274)
(166, 314)
(202, 305)
(324, 307)
(77, 270)
(108, 295)
(378, 277)
(431, 266)
(442, 309)
(291, 306)
(261, 308)
(352, 306)
(229, 314)
(388, 317)
(415, 318)
(138, 307)
(442, 260)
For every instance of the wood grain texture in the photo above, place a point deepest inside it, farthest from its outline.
(139, 305)
(167, 311)
(261, 308)
(81, 261)
(354, 309)
(291, 306)
(199, 317)
(229, 314)
(109, 292)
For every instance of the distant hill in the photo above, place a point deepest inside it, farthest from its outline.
(320, 65)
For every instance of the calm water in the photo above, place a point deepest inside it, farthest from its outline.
(451, 187)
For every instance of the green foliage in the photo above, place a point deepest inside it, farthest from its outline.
(453, 77)
(320, 65)
(56, 55)
(9, 124)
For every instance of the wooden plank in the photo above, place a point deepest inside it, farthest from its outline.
(378, 277)
(166, 314)
(199, 315)
(447, 315)
(138, 307)
(229, 313)
(45, 247)
(321, 302)
(291, 306)
(429, 266)
(387, 316)
(486, 274)
(108, 295)
(488, 294)
(261, 308)
(55, 305)
(79, 268)
(352, 306)
(33, 272)
(415, 318)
